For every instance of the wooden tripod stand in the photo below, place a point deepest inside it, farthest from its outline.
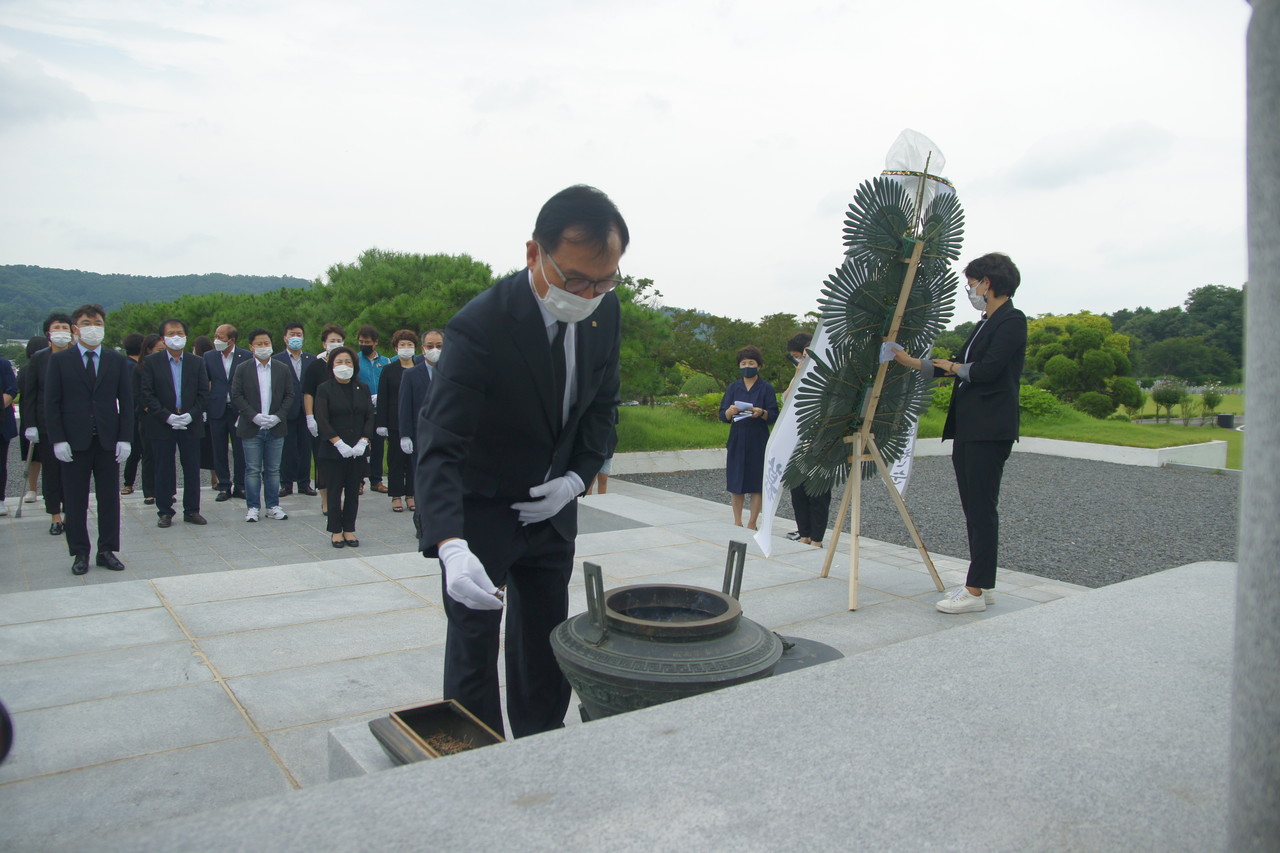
(864, 449)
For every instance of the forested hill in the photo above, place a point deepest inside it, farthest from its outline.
(29, 293)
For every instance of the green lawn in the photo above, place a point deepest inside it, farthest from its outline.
(641, 428)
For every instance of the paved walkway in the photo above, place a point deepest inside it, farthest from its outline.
(210, 672)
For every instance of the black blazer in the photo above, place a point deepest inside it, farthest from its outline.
(295, 411)
(159, 401)
(32, 381)
(414, 387)
(491, 427)
(74, 408)
(389, 384)
(348, 416)
(219, 382)
(247, 398)
(985, 407)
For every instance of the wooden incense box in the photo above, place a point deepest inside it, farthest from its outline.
(441, 728)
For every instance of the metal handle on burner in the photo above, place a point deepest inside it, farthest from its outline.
(595, 603)
(733, 564)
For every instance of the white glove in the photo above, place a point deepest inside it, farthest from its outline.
(123, 449)
(62, 451)
(552, 497)
(32, 434)
(176, 422)
(406, 445)
(204, 417)
(275, 421)
(382, 431)
(262, 421)
(887, 349)
(374, 398)
(465, 579)
(312, 427)
(343, 449)
(360, 447)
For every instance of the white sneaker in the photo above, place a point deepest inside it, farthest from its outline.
(29, 497)
(4, 510)
(277, 513)
(989, 597)
(960, 601)
(251, 515)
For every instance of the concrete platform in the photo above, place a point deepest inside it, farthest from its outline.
(141, 698)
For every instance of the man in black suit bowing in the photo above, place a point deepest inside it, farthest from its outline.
(174, 388)
(88, 409)
(221, 363)
(518, 419)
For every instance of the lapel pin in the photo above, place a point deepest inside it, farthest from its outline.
(593, 324)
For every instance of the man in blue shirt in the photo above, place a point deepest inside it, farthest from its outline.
(371, 364)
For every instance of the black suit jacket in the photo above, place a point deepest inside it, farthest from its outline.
(247, 397)
(219, 382)
(342, 411)
(308, 358)
(159, 401)
(491, 430)
(414, 387)
(74, 408)
(985, 407)
(32, 380)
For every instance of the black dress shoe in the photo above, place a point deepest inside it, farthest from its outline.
(223, 496)
(193, 518)
(307, 490)
(338, 543)
(148, 501)
(238, 493)
(285, 491)
(164, 521)
(110, 561)
(80, 565)
(352, 543)
(56, 528)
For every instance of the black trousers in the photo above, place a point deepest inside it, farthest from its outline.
(342, 480)
(399, 473)
(535, 566)
(221, 431)
(295, 456)
(50, 475)
(186, 448)
(135, 454)
(99, 464)
(377, 448)
(811, 513)
(979, 467)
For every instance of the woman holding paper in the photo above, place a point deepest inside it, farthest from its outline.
(750, 406)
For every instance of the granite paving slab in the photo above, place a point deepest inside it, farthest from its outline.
(60, 637)
(312, 605)
(75, 601)
(268, 580)
(99, 675)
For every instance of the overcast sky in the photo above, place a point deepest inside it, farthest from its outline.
(1098, 142)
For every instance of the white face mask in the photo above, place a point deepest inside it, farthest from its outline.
(432, 355)
(344, 371)
(60, 339)
(405, 353)
(332, 345)
(91, 336)
(262, 353)
(175, 342)
(221, 346)
(978, 302)
(563, 305)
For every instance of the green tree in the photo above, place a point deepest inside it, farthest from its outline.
(647, 365)
(1189, 358)
(1076, 354)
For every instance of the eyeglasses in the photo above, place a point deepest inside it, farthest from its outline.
(578, 285)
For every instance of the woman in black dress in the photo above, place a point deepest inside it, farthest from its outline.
(749, 433)
(399, 479)
(344, 418)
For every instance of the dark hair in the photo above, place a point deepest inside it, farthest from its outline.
(330, 329)
(132, 343)
(202, 345)
(439, 332)
(751, 352)
(257, 332)
(186, 330)
(355, 361)
(294, 324)
(57, 317)
(368, 331)
(86, 310)
(403, 335)
(999, 270)
(150, 341)
(799, 342)
(584, 210)
(36, 344)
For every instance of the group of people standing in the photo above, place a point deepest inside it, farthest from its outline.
(254, 417)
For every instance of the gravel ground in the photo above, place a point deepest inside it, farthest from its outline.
(1089, 523)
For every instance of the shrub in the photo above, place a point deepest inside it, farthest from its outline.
(1166, 394)
(1211, 397)
(1127, 393)
(1096, 405)
(1188, 409)
(707, 406)
(699, 384)
(1037, 402)
(941, 397)
(1118, 416)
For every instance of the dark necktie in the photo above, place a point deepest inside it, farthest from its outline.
(88, 366)
(558, 368)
